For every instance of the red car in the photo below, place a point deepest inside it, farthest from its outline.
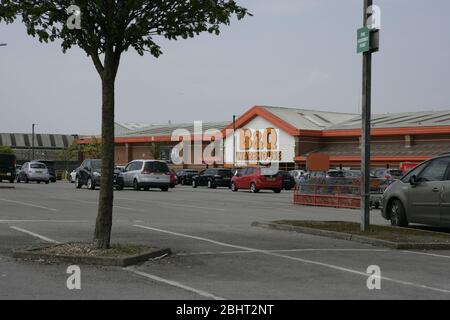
(173, 179)
(256, 179)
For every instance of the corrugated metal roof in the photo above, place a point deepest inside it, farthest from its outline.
(24, 140)
(305, 119)
(400, 120)
(169, 129)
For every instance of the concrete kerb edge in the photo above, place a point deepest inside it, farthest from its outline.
(125, 261)
(356, 238)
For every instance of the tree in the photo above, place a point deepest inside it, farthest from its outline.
(6, 149)
(93, 149)
(108, 29)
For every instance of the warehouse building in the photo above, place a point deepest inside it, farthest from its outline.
(289, 136)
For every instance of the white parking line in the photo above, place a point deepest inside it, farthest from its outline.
(280, 251)
(427, 254)
(28, 204)
(171, 204)
(174, 284)
(42, 221)
(35, 235)
(326, 265)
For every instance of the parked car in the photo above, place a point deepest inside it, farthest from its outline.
(333, 173)
(421, 196)
(50, 167)
(388, 174)
(213, 178)
(73, 175)
(297, 174)
(288, 180)
(33, 171)
(89, 175)
(173, 179)
(18, 168)
(256, 179)
(184, 176)
(146, 174)
(7, 167)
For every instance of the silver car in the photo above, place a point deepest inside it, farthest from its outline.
(421, 196)
(33, 171)
(146, 174)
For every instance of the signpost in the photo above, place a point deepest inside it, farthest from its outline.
(363, 40)
(367, 42)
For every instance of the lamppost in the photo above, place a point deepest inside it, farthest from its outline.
(234, 141)
(32, 140)
(367, 43)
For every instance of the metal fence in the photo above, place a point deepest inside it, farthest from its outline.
(337, 192)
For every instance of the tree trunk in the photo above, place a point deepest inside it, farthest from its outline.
(102, 236)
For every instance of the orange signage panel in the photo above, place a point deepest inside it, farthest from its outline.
(318, 162)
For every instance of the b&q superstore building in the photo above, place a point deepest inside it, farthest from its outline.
(396, 137)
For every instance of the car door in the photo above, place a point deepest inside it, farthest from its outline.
(127, 175)
(425, 196)
(23, 171)
(206, 176)
(445, 198)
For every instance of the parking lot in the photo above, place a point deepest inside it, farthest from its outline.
(217, 254)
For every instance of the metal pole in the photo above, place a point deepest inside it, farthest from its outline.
(366, 125)
(32, 141)
(234, 141)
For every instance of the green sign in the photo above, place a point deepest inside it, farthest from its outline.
(363, 40)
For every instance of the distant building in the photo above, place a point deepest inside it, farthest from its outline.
(46, 147)
(396, 138)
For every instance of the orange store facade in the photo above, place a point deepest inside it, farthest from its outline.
(396, 138)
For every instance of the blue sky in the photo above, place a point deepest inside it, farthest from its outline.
(294, 53)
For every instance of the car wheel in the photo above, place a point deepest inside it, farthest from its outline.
(194, 184)
(165, 189)
(146, 188)
(119, 188)
(233, 187)
(136, 185)
(38, 182)
(90, 184)
(398, 215)
(47, 182)
(78, 184)
(26, 179)
(277, 190)
(253, 188)
(11, 181)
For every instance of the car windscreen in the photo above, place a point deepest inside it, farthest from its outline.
(47, 163)
(7, 160)
(96, 164)
(396, 173)
(156, 166)
(38, 166)
(268, 172)
(224, 173)
(336, 174)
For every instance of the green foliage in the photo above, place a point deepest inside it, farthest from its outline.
(71, 153)
(6, 149)
(93, 149)
(118, 25)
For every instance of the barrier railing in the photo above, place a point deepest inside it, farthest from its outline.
(337, 193)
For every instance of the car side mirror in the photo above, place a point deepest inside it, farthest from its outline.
(413, 180)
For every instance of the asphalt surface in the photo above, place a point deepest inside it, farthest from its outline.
(216, 252)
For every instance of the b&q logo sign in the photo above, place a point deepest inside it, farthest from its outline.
(258, 145)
